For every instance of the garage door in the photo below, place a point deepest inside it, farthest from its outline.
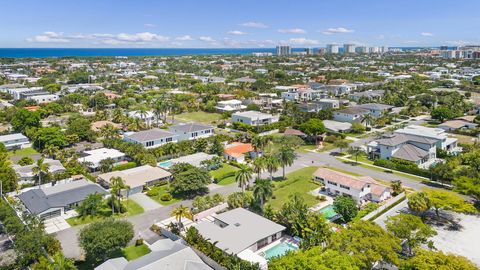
(52, 214)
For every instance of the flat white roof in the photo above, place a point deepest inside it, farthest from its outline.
(11, 137)
(97, 155)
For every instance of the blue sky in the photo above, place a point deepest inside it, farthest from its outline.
(237, 23)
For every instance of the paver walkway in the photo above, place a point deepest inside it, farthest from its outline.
(146, 202)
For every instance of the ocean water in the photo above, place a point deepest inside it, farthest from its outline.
(99, 52)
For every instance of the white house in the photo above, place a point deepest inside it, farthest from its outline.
(350, 115)
(148, 117)
(14, 141)
(151, 138)
(361, 189)
(443, 141)
(230, 106)
(191, 131)
(254, 118)
(93, 157)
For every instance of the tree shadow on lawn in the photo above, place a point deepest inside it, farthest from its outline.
(444, 220)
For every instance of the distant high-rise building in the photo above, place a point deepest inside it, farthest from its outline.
(443, 48)
(321, 51)
(348, 48)
(284, 50)
(373, 49)
(361, 49)
(383, 49)
(309, 51)
(332, 48)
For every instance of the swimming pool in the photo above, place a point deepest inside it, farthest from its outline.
(279, 250)
(328, 212)
(165, 164)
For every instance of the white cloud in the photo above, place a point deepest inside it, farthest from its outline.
(302, 41)
(141, 37)
(207, 39)
(338, 30)
(49, 37)
(426, 34)
(254, 25)
(150, 25)
(292, 31)
(184, 38)
(236, 33)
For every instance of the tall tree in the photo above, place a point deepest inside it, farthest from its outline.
(286, 156)
(262, 190)
(40, 169)
(243, 176)
(259, 165)
(181, 212)
(313, 128)
(346, 207)
(116, 186)
(271, 163)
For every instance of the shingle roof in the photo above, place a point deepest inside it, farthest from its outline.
(150, 135)
(410, 152)
(39, 200)
(396, 139)
(138, 176)
(190, 127)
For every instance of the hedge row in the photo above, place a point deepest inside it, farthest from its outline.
(403, 166)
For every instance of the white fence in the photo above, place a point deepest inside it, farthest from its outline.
(382, 208)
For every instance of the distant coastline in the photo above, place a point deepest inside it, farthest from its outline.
(113, 52)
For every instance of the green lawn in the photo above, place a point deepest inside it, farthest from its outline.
(307, 148)
(23, 152)
(134, 252)
(202, 117)
(344, 171)
(225, 174)
(133, 208)
(297, 182)
(157, 192)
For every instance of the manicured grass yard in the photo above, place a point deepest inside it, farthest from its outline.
(135, 252)
(306, 148)
(463, 138)
(297, 182)
(225, 174)
(202, 117)
(23, 152)
(133, 208)
(158, 192)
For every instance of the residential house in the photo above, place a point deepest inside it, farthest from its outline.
(376, 109)
(15, 141)
(151, 138)
(25, 173)
(136, 178)
(54, 201)
(92, 158)
(368, 95)
(98, 125)
(443, 141)
(457, 124)
(254, 118)
(318, 105)
(237, 151)
(360, 188)
(336, 126)
(165, 254)
(240, 231)
(232, 105)
(350, 115)
(191, 131)
(147, 117)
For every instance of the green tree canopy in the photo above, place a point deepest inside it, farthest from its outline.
(346, 207)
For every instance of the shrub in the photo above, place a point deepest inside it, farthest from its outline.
(330, 139)
(403, 166)
(152, 193)
(139, 242)
(166, 197)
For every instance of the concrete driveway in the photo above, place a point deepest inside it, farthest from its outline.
(55, 224)
(145, 202)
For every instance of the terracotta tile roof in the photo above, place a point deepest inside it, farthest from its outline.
(236, 149)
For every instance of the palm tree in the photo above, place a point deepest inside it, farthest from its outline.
(117, 115)
(286, 157)
(271, 163)
(243, 176)
(259, 142)
(109, 132)
(181, 211)
(368, 119)
(106, 165)
(355, 151)
(143, 113)
(116, 186)
(262, 190)
(62, 263)
(40, 169)
(50, 151)
(171, 149)
(259, 165)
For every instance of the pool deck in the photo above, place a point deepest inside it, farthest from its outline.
(283, 239)
(320, 205)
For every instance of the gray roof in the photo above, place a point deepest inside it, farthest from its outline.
(39, 200)
(190, 127)
(13, 136)
(375, 106)
(243, 229)
(369, 93)
(396, 139)
(353, 110)
(150, 135)
(165, 254)
(410, 152)
(27, 171)
(336, 126)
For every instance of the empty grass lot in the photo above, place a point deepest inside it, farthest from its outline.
(133, 208)
(297, 182)
(157, 192)
(202, 117)
(225, 174)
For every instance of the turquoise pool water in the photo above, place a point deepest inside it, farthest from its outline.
(165, 164)
(328, 212)
(279, 250)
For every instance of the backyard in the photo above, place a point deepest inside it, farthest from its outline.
(130, 253)
(297, 182)
(157, 193)
(202, 117)
(225, 175)
(106, 211)
(16, 155)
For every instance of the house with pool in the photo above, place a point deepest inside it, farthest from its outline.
(249, 236)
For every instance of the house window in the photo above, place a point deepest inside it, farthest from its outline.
(169, 139)
(207, 131)
(262, 243)
(345, 187)
(148, 144)
(194, 134)
(332, 183)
